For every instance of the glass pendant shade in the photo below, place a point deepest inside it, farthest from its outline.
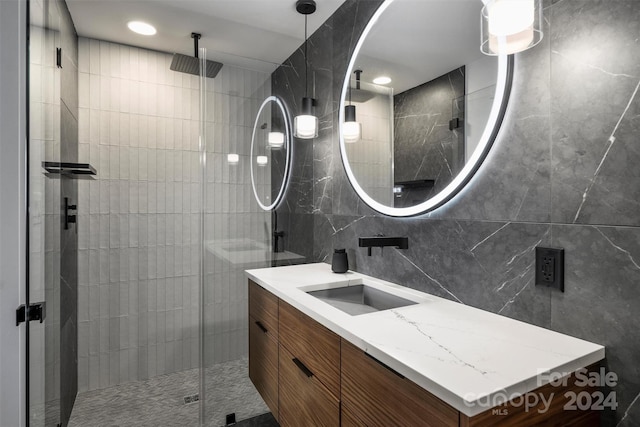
(275, 139)
(306, 125)
(511, 26)
(351, 129)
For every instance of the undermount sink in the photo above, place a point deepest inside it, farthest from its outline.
(360, 299)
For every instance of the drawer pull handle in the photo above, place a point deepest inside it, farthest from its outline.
(384, 366)
(261, 326)
(303, 368)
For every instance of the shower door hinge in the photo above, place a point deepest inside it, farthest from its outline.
(36, 311)
(59, 57)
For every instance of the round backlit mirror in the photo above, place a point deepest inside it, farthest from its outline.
(270, 153)
(428, 104)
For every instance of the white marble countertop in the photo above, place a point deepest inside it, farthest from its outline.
(469, 358)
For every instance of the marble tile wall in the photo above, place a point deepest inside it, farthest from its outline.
(561, 173)
(424, 148)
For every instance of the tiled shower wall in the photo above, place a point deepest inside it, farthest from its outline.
(137, 235)
(562, 173)
(138, 226)
(374, 149)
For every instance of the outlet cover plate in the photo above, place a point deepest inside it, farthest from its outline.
(550, 267)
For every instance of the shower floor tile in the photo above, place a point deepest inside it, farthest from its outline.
(159, 401)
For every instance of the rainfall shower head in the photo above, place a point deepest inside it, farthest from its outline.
(191, 64)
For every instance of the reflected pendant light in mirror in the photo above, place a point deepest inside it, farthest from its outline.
(510, 26)
(416, 160)
(270, 153)
(305, 125)
(275, 139)
(351, 129)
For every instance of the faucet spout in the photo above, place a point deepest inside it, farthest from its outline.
(382, 241)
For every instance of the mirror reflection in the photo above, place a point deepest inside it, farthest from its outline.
(427, 103)
(270, 153)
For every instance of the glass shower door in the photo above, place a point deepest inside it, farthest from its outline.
(236, 236)
(44, 216)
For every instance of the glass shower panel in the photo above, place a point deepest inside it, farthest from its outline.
(237, 236)
(138, 239)
(44, 214)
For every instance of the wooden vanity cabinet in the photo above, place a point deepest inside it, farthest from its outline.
(263, 344)
(374, 395)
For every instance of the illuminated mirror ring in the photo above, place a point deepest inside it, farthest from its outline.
(260, 161)
(474, 161)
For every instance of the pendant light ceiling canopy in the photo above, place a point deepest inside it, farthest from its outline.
(306, 7)
(306, 123)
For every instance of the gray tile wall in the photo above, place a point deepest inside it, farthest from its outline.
(563, 172)
(138, 247)
(139, 241)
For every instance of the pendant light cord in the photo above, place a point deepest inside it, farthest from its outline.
(306, 61)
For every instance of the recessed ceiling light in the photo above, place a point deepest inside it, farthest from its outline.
(141, 28)
(382, 80)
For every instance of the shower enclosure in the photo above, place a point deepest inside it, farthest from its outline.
(139, 233)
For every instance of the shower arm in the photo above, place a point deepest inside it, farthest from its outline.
(195, 37)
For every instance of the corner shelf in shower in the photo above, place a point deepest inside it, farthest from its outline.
(68, 168)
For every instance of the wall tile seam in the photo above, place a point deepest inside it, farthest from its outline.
(316, 212)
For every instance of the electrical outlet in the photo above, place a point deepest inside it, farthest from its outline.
(550, 267)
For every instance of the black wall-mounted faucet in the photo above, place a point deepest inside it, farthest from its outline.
(382, 241)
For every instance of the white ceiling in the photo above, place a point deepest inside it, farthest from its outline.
(256, 34)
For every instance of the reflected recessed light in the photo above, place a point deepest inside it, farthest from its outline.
(382, 80)
(141, 28)
(233, 158)
(262, 160)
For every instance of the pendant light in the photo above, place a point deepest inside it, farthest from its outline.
(510, 26)
(305, 125)
(351, 129)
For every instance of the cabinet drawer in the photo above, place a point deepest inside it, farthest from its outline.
(313, 344)
(263, 307)
(263, 365)
(379, 397)
(304, 400)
